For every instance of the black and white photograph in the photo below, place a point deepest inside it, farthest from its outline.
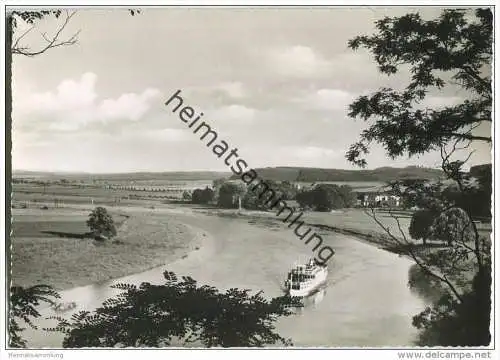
(277, 176)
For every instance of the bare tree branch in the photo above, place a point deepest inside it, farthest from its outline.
(16, 43)
(412, 254)
(477, 243)
(51, 42)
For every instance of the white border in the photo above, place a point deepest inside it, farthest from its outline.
(249, 3)
(345, 353)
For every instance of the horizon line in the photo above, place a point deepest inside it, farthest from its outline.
(82, 172)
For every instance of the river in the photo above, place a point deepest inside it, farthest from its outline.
(366, 301)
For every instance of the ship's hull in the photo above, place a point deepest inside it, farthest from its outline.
(310, 288)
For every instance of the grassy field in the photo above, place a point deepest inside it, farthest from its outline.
(50, 247)
(359, 220)
(348, 219)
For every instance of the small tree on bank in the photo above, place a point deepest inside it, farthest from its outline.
(101, 223)
(420, 224)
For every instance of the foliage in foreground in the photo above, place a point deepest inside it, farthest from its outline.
(450, 322)
(449, 51)
(23, 303)
(156, 315)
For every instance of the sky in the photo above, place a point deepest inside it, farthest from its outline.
(274, 83)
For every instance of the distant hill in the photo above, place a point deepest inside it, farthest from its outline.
(272, 173)
(168, 176)
(316, 174)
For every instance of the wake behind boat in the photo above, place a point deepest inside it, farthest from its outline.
(305, 279)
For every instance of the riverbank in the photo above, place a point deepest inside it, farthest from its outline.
(49, 246)
(367, 232)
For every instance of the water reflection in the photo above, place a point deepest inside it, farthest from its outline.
(312, 301)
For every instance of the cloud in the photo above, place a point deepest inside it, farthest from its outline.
(169, 135)
(233, 113)
(292, 155)
(436, 102)
(74, 104)
(315, 153)
(131, 106)
(326, 99)
(69, 95)
(233, 89)
(298, 61)
(216, 94)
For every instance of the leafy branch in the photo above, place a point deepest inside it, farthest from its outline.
(155, 315)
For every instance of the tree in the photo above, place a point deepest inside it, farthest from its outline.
(453, 224)
(420, 224)
(288, 190)
(346, 196)
(465, 326)
(186, 196)
(453, 50)
(30, 19)
(23, 302)
(481, 197)
(202, 196)
(155, 315)
(216, 184)
(101, 223)
(325, 197)
(229, 194)
(451, 47)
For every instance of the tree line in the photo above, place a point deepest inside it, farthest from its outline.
(228, 195)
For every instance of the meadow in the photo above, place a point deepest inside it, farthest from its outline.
(52, 246)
